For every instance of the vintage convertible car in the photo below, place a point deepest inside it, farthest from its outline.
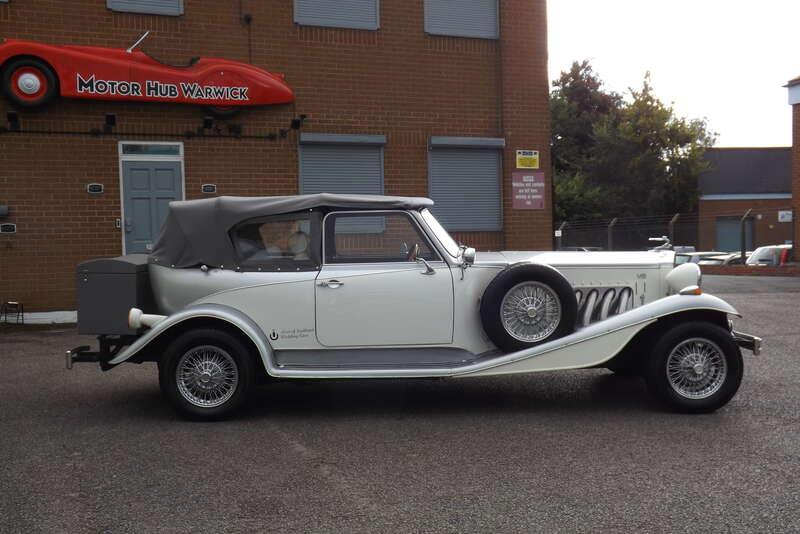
(240, 289)
(34, 73)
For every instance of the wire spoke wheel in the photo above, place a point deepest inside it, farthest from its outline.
(530, 311)
(206, 376)
(696, 368)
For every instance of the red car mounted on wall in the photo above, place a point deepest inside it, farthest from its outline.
(35, 73)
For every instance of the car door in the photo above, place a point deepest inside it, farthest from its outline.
(382, 283)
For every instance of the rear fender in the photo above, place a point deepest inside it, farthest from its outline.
(209, 311)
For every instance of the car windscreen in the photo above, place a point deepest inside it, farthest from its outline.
(441, 234)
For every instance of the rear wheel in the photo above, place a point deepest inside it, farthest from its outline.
(29, 82)
(695, 368)
(206, 374)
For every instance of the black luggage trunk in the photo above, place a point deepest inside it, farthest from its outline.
(107, 289)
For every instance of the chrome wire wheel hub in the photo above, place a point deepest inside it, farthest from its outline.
(207, 376)
(696, 368)
(530, 312)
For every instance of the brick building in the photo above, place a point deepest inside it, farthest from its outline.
(741, 179)
(405, 97)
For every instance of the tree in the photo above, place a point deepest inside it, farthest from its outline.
(616, 157)
(577, 104)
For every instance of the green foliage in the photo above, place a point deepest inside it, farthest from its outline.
(573, 195)
(616, 157)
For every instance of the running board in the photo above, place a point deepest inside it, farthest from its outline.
(377, 358)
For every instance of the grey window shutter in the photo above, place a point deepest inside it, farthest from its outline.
(359, 14)
(344, 169)
(463, 18)
(465, 185)
(152, 7)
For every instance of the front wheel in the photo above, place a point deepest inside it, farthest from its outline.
(694, 368)
(206, 374)
(29, 82)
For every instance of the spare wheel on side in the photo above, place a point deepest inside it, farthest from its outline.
(526, 305)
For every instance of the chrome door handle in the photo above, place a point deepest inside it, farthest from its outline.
(333, 284)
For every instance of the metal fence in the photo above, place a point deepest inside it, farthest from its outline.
(627, 233)
(754, 226)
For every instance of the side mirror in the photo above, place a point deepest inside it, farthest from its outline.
(469, 256)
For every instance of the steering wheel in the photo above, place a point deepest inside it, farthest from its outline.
(413, 252)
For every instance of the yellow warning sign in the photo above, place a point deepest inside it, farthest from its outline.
(527, 159)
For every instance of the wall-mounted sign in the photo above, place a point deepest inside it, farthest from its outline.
(8, 228)
(785, 216)
(527, 159)
(131, 75)
(527, 188)
(209, 189)
(558, 233)
(94, 189)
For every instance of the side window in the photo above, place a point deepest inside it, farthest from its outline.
(275, 243)
(374, 238)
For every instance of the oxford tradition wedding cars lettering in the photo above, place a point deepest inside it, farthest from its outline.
(240, 290)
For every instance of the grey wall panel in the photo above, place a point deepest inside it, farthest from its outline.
(463, 18)
(154, 7)
(359, 14)
(465, 185)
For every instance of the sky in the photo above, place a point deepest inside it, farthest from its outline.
(725, 60)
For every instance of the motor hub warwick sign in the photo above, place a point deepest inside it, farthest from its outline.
(157, 89)
(35, 73)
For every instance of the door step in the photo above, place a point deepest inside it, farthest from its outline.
(417, 358)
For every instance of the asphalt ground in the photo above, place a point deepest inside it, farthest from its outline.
(580, 451)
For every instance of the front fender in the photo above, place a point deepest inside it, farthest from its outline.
(211, 311)
(598, 342)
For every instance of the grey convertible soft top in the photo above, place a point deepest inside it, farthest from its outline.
(195, 232)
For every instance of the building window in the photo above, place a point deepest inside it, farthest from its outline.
(151, 7)
(358, 14)
(346, 164)
(343, 164)
(464, 177)
(463, 18)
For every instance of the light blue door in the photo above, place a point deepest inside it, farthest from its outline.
(729, 234)
(147, 189)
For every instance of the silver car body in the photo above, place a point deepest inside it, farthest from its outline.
(303, 322)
